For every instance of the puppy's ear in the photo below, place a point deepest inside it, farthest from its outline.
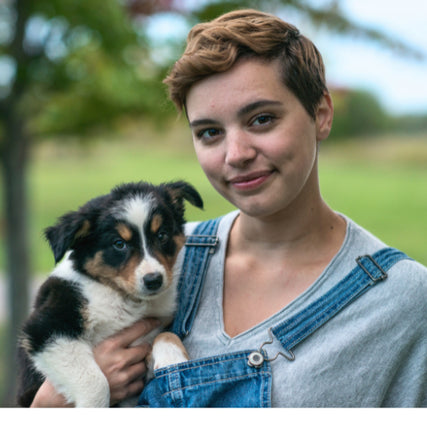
(65, 232)
(180, 191)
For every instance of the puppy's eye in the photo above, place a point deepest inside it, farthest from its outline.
(162, 236)
(120, 245)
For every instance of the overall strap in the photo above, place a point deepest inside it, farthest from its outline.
(199, 247)
(369, 271)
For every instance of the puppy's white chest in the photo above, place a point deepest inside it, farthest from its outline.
(109, 312)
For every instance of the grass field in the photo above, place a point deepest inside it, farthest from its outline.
(380, 183)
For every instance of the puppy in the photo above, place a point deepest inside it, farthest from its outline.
(118, 252)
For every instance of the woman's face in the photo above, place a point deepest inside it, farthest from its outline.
(254, 140)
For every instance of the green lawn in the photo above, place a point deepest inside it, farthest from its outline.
(380, 183)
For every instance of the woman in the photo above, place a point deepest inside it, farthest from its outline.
(283, 318)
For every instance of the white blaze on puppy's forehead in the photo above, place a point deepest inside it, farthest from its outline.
(137, 210)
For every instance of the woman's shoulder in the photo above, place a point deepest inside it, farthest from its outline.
(409, 279)
(224, 224)
(406, 282)
(364, 242)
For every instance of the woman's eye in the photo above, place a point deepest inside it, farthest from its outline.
(207, 135)
(262, 119)
(120, 245)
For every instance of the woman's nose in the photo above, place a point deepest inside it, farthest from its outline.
(239, 149)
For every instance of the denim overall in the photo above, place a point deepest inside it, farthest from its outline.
(243, 379)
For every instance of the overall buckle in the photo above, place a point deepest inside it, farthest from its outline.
(203, 240)
(362, 266)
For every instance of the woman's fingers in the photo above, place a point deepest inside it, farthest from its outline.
(124, 365)
(48, 397)
(139, 329)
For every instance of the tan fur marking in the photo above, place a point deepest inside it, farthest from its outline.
(25, 343)
(127, 274)
(124, 231)
(156, 223)
(97, 268)
(83, 230)
(169, 337)
(179, 241)
(175, 194)
(169, 262)
(124, 283)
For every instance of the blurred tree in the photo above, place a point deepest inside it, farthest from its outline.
(357, 113)
(69, 66)
(70, 70)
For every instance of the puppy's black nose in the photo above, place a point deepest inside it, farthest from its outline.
(153, 281)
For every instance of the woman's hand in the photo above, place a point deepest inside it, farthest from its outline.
(48, 397)
(124, 366)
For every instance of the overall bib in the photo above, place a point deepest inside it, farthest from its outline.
(243, 379)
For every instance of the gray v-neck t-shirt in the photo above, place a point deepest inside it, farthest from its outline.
(372, 354)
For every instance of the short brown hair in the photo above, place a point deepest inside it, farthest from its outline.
(215, 46)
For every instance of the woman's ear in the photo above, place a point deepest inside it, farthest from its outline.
(324, 117)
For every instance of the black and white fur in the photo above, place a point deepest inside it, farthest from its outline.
(118, 253)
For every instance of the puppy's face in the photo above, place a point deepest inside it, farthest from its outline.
(134, 248)
(129, 240)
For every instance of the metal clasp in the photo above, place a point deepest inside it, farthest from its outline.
(257, 358)
(374, 279)
(202, 240)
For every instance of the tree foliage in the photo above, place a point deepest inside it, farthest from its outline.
(76, 65)
(357, 113)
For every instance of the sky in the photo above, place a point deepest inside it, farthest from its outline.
(399, 83)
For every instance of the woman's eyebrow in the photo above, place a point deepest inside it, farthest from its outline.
(255, 105)
(242, 112)
(203, 122)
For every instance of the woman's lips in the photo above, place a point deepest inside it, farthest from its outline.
(250, 181)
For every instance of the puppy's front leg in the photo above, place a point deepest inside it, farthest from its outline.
(168, 349)
(71, 368)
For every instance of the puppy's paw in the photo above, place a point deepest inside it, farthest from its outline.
(167, 350)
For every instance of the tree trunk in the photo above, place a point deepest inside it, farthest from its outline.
(14, 168)
(14, 149)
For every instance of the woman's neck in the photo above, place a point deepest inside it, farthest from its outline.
(317, 229)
